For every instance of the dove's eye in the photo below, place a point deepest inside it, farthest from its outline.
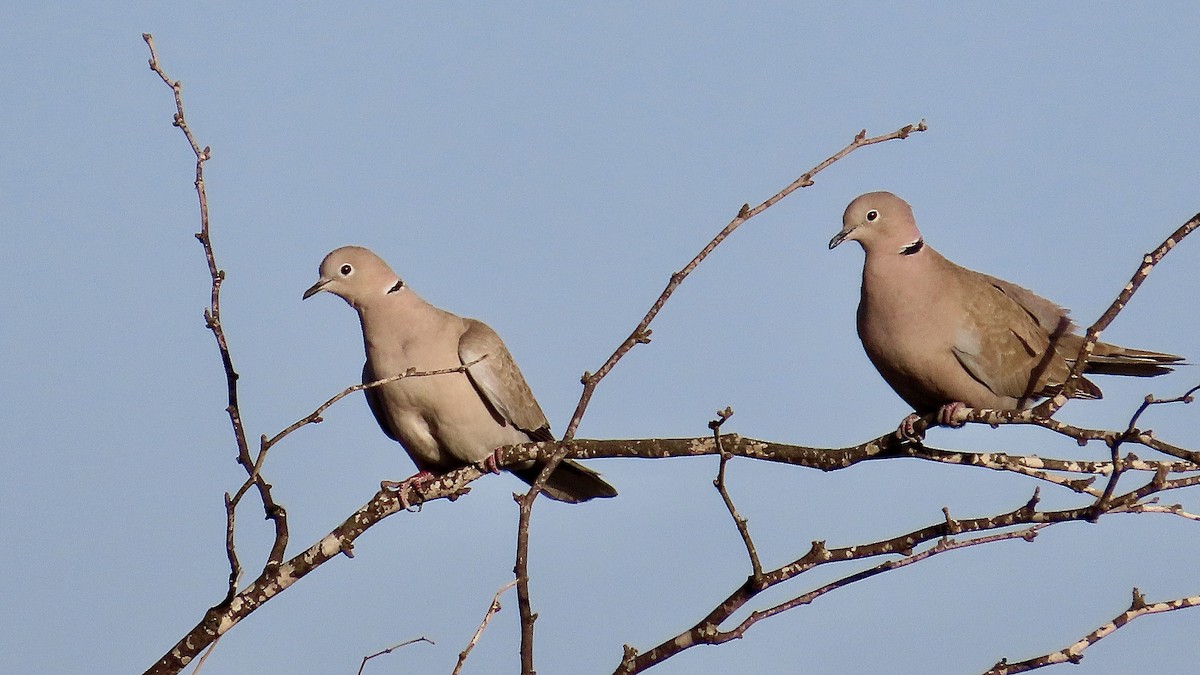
(346, 270)
(872, 216)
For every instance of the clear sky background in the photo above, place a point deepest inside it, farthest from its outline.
(545, 169)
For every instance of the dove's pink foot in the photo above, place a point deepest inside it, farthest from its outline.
(400, 487)
(491, 463)
(946, 414)
(907, 430)
(945, 417)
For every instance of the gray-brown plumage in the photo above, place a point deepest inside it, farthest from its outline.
(451, 420)
(941, 334)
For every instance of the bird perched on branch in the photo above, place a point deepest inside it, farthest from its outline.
(944, 336)
(449, 420)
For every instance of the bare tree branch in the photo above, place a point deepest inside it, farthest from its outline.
(1074, 653)
(272, 581)
(708, 631)
(391, 649)
(1083, 436)
(743, 527)
(314, 417)
(492, 610)
(220, 619)
(212, 319)
(943, 545)
(641, 332)
(1175, 509)
(521, 564)
(1186, 397)
(1050, 405)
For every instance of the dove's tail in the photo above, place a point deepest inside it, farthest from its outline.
(571, 482)
(1113, 360)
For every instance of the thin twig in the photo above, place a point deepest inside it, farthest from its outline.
(1051, 405)
(743, 527)
(942, 546)
(391, 649)
(1185, 398)
(314, 417)
(641, 333)
(1074, 653)
(204, 657)
(1174, 509)
(212, 319)
(492, 610)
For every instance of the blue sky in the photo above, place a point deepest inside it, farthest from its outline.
(545, 169)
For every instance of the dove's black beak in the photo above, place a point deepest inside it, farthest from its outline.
(315, 288)
(838, 238)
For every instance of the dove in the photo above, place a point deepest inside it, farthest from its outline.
(449, 420)
(945, 337)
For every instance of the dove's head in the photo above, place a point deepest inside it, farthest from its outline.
(356, 275)
(880, 221)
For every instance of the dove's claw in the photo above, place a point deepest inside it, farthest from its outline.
(401, 487)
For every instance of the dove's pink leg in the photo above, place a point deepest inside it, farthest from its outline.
(491, 463)
(945, 417)
(399, 487)
(946, 414)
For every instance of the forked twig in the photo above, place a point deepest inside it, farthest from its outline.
(743, 527)
(492, 610)
(944, 545)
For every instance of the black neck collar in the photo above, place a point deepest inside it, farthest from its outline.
(913, 247)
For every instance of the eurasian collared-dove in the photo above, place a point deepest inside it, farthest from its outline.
(451, 420)
(944, 336)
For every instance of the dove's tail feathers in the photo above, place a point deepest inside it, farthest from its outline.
(1113, 360)
(571, 482)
